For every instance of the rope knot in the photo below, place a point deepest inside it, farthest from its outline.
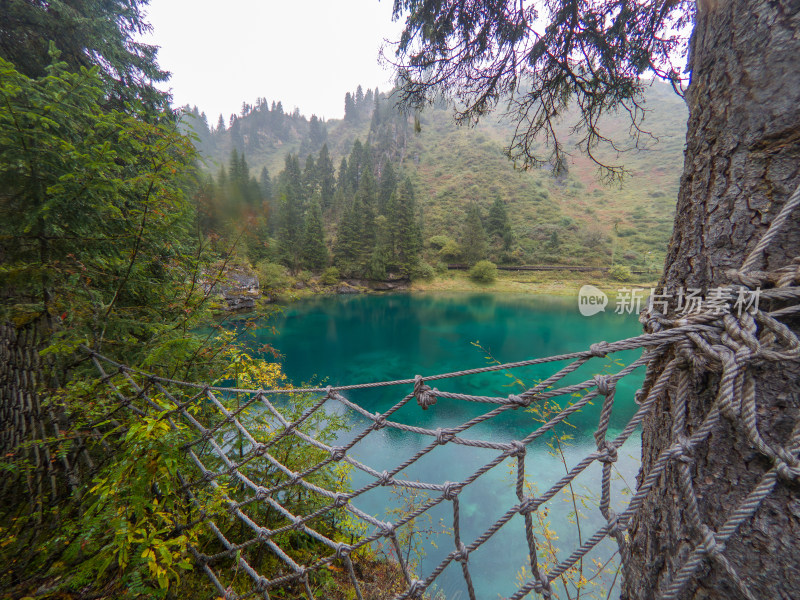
(518, 401)
(461, 555)
(789, 472)
(337, 453)
(264, 534)
(386, 527)
(423, 393)
(416, 589)
(600, 349)
(527, 506)
(609, 452)
(519, 449)
(340, 500)
(681, 450)
(605, 385)
(208, 476)
(260, 449)
(444, 435)
(752, 279)
(450, 490)
(261, 493)
(385, 478)
(380, 422)
(342, 550)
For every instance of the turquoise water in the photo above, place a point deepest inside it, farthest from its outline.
(344, 340)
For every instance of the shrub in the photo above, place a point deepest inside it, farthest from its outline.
(421, 270)
(620, 273)
(484, 271)
(451, 251)
(271, 276)
(439, 241)
(330, 276)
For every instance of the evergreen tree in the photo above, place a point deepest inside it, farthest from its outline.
(325, 177)
(310, 178)
(290, 213)
(388, 186)
(473, 237)
(341, 176)
(317, 132)
(349, 248)
(366, 195)
(220, 124)
(265, 183)
(88, 33)
(315, 253)
(355, 166)
(382, 253)
(405, 230)
(497, 226)
(349, 107)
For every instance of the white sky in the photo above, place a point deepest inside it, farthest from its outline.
(306, 54)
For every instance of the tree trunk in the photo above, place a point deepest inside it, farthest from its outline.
(742, 163)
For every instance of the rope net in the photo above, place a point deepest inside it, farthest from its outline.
(246, 462)
(251, 454)
(228, 450)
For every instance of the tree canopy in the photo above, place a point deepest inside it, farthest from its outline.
(542, 59)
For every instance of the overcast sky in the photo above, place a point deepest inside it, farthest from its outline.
(305, 54)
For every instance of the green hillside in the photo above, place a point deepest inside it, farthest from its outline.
(570, 219)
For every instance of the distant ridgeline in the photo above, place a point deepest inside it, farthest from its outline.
(382, 192)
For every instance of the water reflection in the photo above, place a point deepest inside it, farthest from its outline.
(346, 340)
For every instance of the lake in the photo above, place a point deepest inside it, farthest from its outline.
(343, 340)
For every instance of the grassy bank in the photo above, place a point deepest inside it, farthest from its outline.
(559, 283)
(553, 283)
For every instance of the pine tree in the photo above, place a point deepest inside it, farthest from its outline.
(290, 212)
(387, 187)
(325, 177)
(381, 256)
(310, 179)
(315, 253)
(497, 226)
(405, 233)
(265, 183)
(220, 124)
(349, 107)
(366, 195)
(473, 237)
(355, 166)
(349, 248)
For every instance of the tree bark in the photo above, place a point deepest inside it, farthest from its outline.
(742, 163)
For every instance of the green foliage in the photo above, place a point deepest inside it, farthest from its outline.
(272, 276)
(330, 276)
(94, 212)
(620, 273)
(498, 227)
(101, 33)
(483, 271)
(473, 239)
(129, 528)
(315, 253)
(450, 168)
(437, 242)
(421, 270)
